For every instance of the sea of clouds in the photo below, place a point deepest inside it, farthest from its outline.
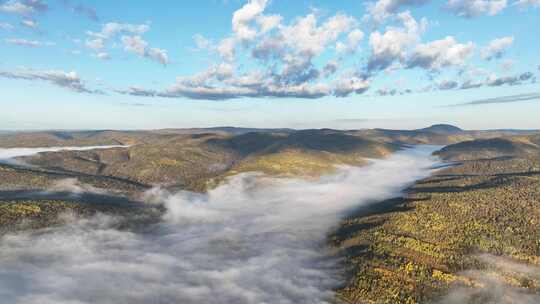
(253, 239)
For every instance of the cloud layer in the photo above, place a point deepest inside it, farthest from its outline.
(252, 240)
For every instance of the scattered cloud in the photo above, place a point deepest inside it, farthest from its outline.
(447, 85)
(495, 81)
(469, 84)
(507, 65)
(475, 8)
(111, 29)
(131, 40)
(242, 19)
(383, 9)
(526, 3)
(502, 99)
(28, 43)
(67, 80)
(29, 23)
(440, 54)
(137, 45)
(103, 56)
(391, 46)
(82, 9)
(23, 7)
(6, 26)
(352, 43)
(496, 48)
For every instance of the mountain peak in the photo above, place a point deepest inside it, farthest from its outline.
(443, 129)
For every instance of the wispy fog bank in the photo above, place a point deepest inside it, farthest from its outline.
(252, 240)
(7, 154)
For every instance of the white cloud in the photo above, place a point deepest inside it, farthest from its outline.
(24, 7)
(201, 42)
(308, 39)
(496, 48)
(525, 3)
(16, 7)
(131, 40)
(507, 65)
(383, 9)
(68, 80)
(111, 29)
(268, 23)
(394, 42)
(29, 23)
(347, 85)
(103, 56)
(227, 49)
(475, 8)
(134, 44)
(139, 46)
(159, 55)
(29, 43)
(439, 54)
(95, 44)
(353, 41)
(242, 19)
(6, 26)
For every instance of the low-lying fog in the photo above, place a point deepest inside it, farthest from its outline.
(251, 240)
(7, 154)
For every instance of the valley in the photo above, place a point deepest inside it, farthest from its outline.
(457, 236)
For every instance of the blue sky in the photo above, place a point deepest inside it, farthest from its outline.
(71, 64)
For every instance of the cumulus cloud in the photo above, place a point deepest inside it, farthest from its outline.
(352, 42)
(440, 54)
(131, 40)
(242, 19)
(349, 84)
(496, 48)
(282, 55)
(391, 46)
(475, 8)
(28, 43)
(23, 7)
(221, 82)
(383, 9)
(95, 44)
(252, 240)
(495, 81)
(67, 80)
(111, 29)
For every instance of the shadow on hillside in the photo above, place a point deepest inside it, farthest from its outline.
(69, 197)
(494, 182)
(314, 140)
(397, 204)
